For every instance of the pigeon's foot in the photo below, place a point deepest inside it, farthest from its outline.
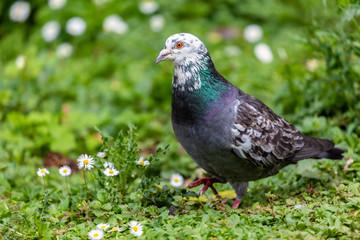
(236, 203)
(208, 182)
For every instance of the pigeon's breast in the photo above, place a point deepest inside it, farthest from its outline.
(207, 138)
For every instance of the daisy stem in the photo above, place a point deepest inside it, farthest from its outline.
(44, 183)
(86, 186)
(67, 185)
(94, 182)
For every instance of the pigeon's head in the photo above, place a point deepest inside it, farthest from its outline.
(182, 48)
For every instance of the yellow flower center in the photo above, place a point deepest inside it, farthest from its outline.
(65, 171)
(135, 228)
(111, 171)
(96, 234)
(176, 180)
(102, 227)
(86, 161)
(114, 229)
(142, 162)
(42, 171)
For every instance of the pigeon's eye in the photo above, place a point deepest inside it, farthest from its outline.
(179, 45)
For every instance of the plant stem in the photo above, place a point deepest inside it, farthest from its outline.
(86, 186)
(44, 183)
(94, 182)
(356, 25)
(67, 185)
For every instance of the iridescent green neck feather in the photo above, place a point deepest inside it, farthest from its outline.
(197, 84)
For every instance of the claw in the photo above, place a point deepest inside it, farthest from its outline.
(236, 203)
(208, 182)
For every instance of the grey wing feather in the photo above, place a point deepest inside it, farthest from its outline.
(261, 136)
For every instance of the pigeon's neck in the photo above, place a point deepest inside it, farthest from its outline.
(197, 86)
(190, 74)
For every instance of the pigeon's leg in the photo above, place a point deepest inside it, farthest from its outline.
(240, 189)
(208, 183)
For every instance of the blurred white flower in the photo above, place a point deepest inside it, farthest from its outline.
(85, 161)
(101, 154)
(111, 172)
(282, 53)
(96, 234)
(102, 226)
(108, 165)
(114, 229)
(19, 11)
(232, 51)
(142, 162)
(148, 6)
(312, 65)
(42, 172)
(64, 50)
(56, 4)
(20, 62)
(50, 31)
(298, 206)
(263, 53)
(75, 26)
(136, 228)
(101, 2)
(157, 23)
(176, 180)
(115, 24)
(253, 33)
(65, 171)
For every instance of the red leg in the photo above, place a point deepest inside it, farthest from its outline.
(236, 203)
(208, 182)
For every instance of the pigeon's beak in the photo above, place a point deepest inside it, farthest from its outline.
(163, 55)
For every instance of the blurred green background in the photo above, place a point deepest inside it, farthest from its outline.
(49, 102)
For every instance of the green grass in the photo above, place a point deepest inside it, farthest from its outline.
(52, 104)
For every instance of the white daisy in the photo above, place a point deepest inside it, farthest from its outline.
(142, 162)
(253, 33)
(64, 50)
(136, 228)
(65, 171)
(96, 234)
(42, 172)
(263, 53)
(157, 23)
(114, 229)
(85, 161)
(56, 4)
(111, 172)
(282, 53)
(75, 26)
(19, 11)
(108, 165)
(101, 154)
(211, 201)
(115, 24)
(20, 62)
(232, 51)
(102, 226)
(312, 65)
(50, 31)
(176, 180)
(101, 2)
(148, 6)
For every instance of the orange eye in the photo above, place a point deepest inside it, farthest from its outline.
(179, 45)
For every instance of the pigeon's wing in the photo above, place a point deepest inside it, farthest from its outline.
(261, 136)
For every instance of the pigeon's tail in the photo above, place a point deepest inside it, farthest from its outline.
(319, 148)
(334, 153)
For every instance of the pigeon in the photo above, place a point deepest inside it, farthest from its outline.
(231, 135)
